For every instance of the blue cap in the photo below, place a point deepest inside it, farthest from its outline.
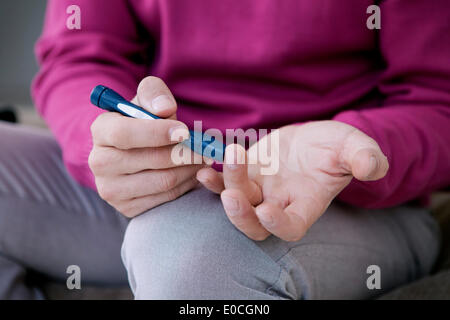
(96, 94)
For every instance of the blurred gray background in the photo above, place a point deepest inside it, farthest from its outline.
(20, 26)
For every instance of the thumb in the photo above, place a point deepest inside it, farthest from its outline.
(154, 96)
(364, 158)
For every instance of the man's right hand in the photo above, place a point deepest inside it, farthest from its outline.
(131, 158)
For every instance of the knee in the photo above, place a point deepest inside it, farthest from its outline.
(171, 250)
(166, 249)
(187, 249)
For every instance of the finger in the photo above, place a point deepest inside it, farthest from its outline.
(369, 165)
(147, 182)
(290, 223)
(363, 157)
(154, 96)
(242, 215)
(236, 176)
(114, 130)
(211, 179)
(134, 207)
(113, 161)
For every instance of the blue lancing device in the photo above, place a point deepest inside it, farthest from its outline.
(199, 142)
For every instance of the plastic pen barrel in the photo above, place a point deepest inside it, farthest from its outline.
(199, 142)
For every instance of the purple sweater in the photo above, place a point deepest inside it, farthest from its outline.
(263, 64)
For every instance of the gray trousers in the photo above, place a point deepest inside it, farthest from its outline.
(187, 248)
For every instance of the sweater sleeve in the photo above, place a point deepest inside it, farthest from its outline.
(412, 124)
(106, 50)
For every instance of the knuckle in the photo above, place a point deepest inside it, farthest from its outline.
(172, 194)
(153, 157)
(92, 162)
(168, 180)
(95, 126)
(96, 161)
(116, 136)
(153, 130)
(106, 192)
(160, 157)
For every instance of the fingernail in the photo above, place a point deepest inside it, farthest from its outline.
(178, 133)
(265, 217)
(233, 158)
(231, 205)
(162, 102)
(373, 164)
